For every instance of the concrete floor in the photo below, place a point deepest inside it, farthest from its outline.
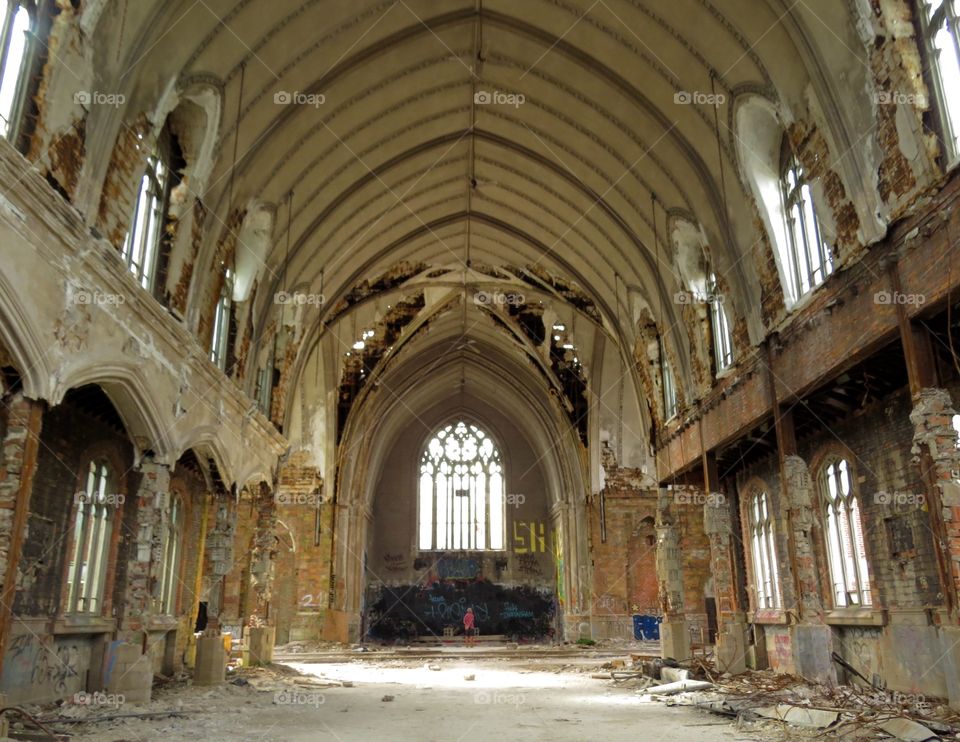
(513, 698)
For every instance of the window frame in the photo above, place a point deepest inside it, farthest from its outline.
(796, 193)
(23, 77)
(167, 598)
(761, 549)
(220, 331)
(851, 503)
(151, 216)
(99, 469)
(723, 354)
(948, 129)
(496, 458)
(670, 402)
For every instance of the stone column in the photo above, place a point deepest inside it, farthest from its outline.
(264, 553)
(219, 554)
(731, 646)
(674, 637)
(18, 463)
(145, 565)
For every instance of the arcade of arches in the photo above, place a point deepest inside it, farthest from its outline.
(321, 321)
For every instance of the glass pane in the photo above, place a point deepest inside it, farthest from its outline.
(13, 66)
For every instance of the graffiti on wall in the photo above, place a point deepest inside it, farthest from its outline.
(529, 537)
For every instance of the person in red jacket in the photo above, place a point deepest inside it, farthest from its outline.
(469, 628)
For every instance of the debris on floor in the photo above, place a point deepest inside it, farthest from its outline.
(766, 698)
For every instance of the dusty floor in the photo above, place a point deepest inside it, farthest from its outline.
(510, 698)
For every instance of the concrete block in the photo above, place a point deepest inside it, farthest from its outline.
(731, 651)
(812, 647)
(674, 639)
(211, 661)
(260, 643)
(130, 673)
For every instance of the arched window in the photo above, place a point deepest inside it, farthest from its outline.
(461, 498)
(144, 245)
(17, 48)
(219, 339)
(669, 390)
(940, 23)
(167, 589)
(807, 261)
(92, 537)
(722, 339)
(846, 553)
(766, 573)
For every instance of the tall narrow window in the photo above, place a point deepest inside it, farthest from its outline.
(167, 590)
(143, 243)
(16, 50)
(461, 491)
(92, 531)
(846, 553)
(807, 261)
(766, 574)
(669, 389)
(722, 340)
(221, 322)
(940, 23)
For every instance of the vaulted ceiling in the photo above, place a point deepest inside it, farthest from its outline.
(537, 141)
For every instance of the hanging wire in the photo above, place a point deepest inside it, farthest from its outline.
(616, 289)
(236, 148)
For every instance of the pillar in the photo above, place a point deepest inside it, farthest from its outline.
(18, 464)
(731, 648)
(674, 637)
